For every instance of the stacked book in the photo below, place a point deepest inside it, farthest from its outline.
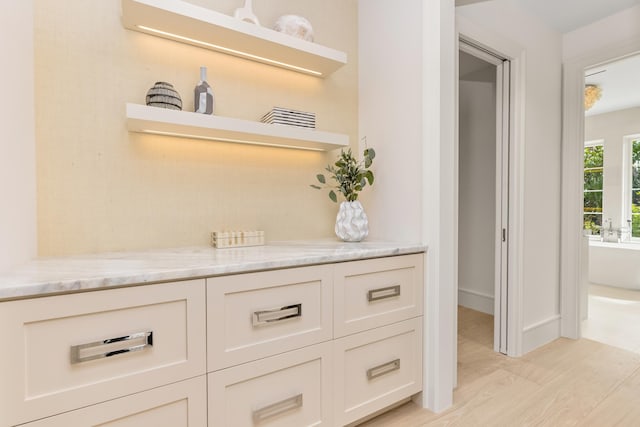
(286, 116)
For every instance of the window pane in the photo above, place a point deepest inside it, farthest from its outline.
(593, 184)
(635, 189)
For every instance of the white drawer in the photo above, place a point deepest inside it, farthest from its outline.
(39, 335)
(262, 314)
(288, 390)
(183, 404)
(377, 368)
(377, 292)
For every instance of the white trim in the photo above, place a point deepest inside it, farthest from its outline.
(475, 300)
(439, 44)
(594, 143)
(467, 30)
(572, 178)
(540, 333)
(627, 169)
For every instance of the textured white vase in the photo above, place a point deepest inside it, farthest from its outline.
(352, 224)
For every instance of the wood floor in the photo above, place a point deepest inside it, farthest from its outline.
(565, 383)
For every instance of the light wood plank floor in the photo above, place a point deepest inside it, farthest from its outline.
(565, 383)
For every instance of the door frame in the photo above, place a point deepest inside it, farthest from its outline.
(506, 48)
(501, 185)
(572, 178)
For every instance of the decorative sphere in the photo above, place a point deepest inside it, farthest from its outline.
(296, 26)
(163, 95)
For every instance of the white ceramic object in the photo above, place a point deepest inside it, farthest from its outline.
(296, 26)
(352, 224)
(245, 13)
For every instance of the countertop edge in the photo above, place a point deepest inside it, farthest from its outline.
(32, 280)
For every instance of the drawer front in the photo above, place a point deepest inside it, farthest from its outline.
(256, 315)
(376, 292)
(75, 350)
(377, 368)
(183, 404)
(289, 390)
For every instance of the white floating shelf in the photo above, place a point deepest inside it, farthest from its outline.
(162, 121)
(191, 24)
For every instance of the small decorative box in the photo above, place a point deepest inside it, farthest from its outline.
(234, 239)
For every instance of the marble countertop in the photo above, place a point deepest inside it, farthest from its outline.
(46, 276)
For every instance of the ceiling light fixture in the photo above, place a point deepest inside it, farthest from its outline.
(592, 93)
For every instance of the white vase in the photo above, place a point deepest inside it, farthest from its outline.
(352, 224)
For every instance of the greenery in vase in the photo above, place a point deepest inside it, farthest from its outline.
(349, 174)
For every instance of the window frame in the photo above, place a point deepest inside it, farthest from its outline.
(627, 169)
(588, 144)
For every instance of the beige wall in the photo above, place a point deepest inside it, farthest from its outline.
(101, 188)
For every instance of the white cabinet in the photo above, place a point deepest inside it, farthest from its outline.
(289, 390)
(377, 292)
(321, 345)
(376, 368)
(182, 404)
(69, 351)
(255, 315)
(308, 346)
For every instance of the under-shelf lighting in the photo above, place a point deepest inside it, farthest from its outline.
(230, 51)
(241, 141)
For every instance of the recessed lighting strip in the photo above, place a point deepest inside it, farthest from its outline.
(230, 51)
(241, 141)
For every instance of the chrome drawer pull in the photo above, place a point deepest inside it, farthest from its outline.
(263, 317)
(385, 368)
(383, 293)
(277, 408)
(145, 339)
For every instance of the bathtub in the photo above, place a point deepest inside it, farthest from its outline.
(615, 264)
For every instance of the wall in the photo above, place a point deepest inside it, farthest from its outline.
(101, 188)
(390, 117)
(542, 134)
(407, 105)
(618, 29)
(612, 128)
(477, 186)
(17, 145)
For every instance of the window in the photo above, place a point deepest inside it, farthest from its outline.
(635, 188)
(593, 179)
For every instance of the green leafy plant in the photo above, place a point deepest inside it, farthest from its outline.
(349, 174)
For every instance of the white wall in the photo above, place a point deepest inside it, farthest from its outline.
(407, 111)
(542, 135)
(17, 145)
(618, 29)
(612, 128)
(390, 116)
(477, 194)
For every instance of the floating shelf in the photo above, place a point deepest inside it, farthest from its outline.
(187, 23)
(162, 121)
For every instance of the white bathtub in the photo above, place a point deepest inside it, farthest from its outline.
(615, 264)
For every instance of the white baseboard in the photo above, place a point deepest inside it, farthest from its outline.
(540, 333)
(475, 300)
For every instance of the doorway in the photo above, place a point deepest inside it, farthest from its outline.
(610, 290)
(483, 193)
